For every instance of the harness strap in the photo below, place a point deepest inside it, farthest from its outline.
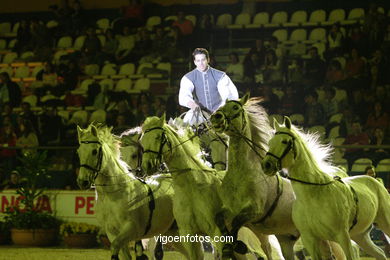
(219, 162)
(275, 203)
(355, 198)
(152, 206)
(335, 178)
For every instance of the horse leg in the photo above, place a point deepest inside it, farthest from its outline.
(122, 239)
(344, 241)
(125, 252)
(287, 245)
(312, 245)
(365, 242)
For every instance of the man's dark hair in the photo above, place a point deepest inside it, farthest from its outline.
(201, 51)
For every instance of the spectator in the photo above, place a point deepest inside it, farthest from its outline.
(370, 171)
(78, 18)
(7, 139)
(28, 114)
(357, 137)
(274, 45)
(377, 119)
(126, 44)
(335, 40)
(41, 40)
(252, 68)
(143, 111)
(355, 65)
(295, 71)
(133, 14)
(314, 113)
(378, 69)
(122, 123)
(142, 46)
(7, 115)
(159, 106)
(378, 153)
(357, 40)
(270, 99)
(346, 124)
(92, 47)
(374, 26)
(27, 137)
(51, 128)
(272, 68)
(9, 91)
(235, 70)
(290, 103)
(111, 45)
(329, 104)
(334, 73)
(259, 49)
(47, 78)
(14, 181)
(23, 37)
(314, 69)
(186, 28)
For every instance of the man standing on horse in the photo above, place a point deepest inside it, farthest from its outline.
(204, 88)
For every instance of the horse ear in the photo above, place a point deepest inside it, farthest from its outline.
(79, 132)
(162, 119)
(276, 124)
(94, 130)
(244, 99)
(287, 122)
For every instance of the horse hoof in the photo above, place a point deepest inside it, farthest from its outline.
(240, 247)
(114, 257)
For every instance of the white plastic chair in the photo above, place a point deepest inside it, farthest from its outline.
(10, 57)
(127, 69)
(153, 21)
(335, 15)
(360, 165)
(124, 85)
(5, 27)
(319, 129)
(91, 69)
(65, 42)
(108, 69)
(22, 72)
(316, 17)
(259, 20)
(336, 118)
(240, 21)
(192, 18)
(142, 66)
(298, 119)
(107, 84)
(103, 24)
(297, 18)
(355, 15)
(278, 19)
(298, 35)
(224, 20)
(98, 116)
(317, 35)
(383, 166)
(79, 42)
(142, 84)
(3, 44)
(281, 35)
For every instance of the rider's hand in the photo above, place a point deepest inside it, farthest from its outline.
(193, 105)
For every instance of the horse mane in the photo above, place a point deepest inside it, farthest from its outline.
(260, 128)
(111, 147)
(127, 136)
(316, 152)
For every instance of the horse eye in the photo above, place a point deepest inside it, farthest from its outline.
(284, 142)
(94, 152)
(134, 156)
(235, 107)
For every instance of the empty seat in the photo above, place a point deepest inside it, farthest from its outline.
(336, 15)
(91, 69)
(65, 42)
(108, 69)
(107, 84)
(281, 35)
(336, 118)
(142, 66)
(79, 42)
(27, 55)
(298, 119)
(319, 129)
(341, 95)
(240, 21)
(278, 19)
(297, 18)
(85, 85)
(355, 15)
(124, 85)
(11, 43)
(142, 84)
(167, 66)
(79, 117)
(22, 72)
(277, 117)
(98, 116)
(341, 162)
(317, 35)
(103, 24)
(316, 17)
(298, 35)
(5, 28)
(360, 165)
(59, 54)
(7, 69)
(10, 57)
(383, 166)
(127, 69)
(3, 44)
(259, 20)
(31, 99)
(153, 21)
(334, 133)
(36, 70)
(102, 39)
(51, 24)
(224, 20)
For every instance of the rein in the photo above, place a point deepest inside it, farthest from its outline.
(95, 170)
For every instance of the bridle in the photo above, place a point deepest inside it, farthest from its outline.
(251, 144)
(95, 170)
(290, 146)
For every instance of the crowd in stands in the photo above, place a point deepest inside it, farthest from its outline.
(349, 77)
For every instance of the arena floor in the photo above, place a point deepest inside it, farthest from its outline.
(52, 253)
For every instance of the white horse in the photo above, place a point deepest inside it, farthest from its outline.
(262, 203)
(127, 208)
(196, 201)
(327, 207)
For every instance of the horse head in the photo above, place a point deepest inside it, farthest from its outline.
(153, 141)
(90, 154)
(282, 148)
(230, 117)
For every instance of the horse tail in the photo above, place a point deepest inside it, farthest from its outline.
(383, 214)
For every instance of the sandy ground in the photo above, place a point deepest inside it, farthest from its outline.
(55, 253)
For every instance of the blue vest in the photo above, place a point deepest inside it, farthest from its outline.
(206, 94)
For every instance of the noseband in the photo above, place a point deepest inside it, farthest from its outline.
(94, 170)
(230, 119)
(289, 147)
